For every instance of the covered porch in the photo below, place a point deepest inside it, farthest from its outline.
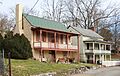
(97, 51)
(56, 56)
(97, 58)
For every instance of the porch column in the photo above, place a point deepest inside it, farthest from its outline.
(78, 40)
(93, 45)
(99, 47)
(40, 38)
(100, 57)
(110, 57)
(33, 39)
(105, 46)
(67, 40)
(94, 61)
(93, 52)
(41, 54)
(110, 47)
(59, 39)
(55, 39)
(105, 57)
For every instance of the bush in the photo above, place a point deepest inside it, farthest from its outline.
(18, 45)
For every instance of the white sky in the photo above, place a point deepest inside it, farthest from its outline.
(7, 4)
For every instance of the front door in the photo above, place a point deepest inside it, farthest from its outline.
(53, 56)
(89, 59)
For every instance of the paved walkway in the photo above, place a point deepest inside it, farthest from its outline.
(108, 71)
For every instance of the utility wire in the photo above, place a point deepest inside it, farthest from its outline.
(30, 10)
(33, 7)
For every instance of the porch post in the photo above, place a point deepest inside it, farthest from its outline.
(40, 38)
(55, 39)
(78, 40)
(110, 54)
(100, 57)
(99, 47)
(110, 47)
(105, 46)
(105, 57)
(93, 45)
(67, 41)
(110, 57)
(41, 55)
(33, 39)
(55, 45)
(41, 44)
(94, 58)
(93, 52)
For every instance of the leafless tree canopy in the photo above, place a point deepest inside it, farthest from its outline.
(5, 23)
(54, 9)
(88, 13)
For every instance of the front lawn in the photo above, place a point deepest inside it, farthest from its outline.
(33, 67)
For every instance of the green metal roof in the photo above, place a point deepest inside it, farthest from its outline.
(47, 24)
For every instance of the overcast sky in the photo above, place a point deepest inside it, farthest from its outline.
(7, 4)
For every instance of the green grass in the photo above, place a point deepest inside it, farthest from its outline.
(33, 67)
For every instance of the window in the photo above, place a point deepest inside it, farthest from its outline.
(51, 37)
(44, 36)
(96, 46)
(57, 38)
(61, 38)
(107, 47)
(37, 35)
(65, 38)
(87, 46)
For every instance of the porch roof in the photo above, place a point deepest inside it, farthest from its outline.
(99, 41)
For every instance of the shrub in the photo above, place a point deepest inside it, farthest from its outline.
(19, 46)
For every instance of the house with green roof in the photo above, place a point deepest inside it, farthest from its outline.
(93, 49)
(50, 40)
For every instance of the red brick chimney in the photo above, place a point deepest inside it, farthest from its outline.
(93, 28)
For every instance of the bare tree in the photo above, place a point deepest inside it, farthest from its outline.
(87, 13)
(54, 10)
(115, 28)
(5, 23)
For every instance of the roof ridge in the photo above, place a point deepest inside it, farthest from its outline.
(85, 32)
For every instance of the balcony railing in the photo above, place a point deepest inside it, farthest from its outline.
(72, 46)
(37, 44)
(52, 45)
(63, 46)
(98, 51)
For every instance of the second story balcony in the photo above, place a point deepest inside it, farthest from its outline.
(53, 46)
(53, 40)
(97, 48)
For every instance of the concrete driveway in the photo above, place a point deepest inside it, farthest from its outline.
(107, 71)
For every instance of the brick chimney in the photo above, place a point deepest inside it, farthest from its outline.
(93, 28)
(19, 10)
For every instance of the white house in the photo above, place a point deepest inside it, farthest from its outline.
(92, 46)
